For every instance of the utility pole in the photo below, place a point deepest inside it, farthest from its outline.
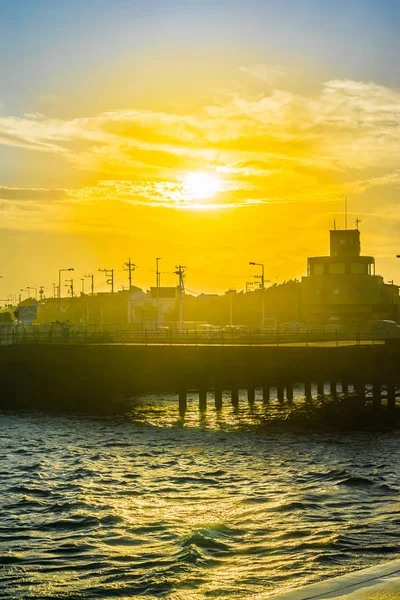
(109, 273)
(92, 285)
(59, 288)
(180, 271)
(130, 269)
(158, 274)
(32, 288)
(262, 286)
(41, 292)
(70, 286)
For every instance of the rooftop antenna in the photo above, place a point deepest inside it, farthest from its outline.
(358, 221)
(334, 224)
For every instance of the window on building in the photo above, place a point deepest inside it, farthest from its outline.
(358, 269)
(337, 268)
(318, 269)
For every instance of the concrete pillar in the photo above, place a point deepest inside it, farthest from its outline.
(289, 391)
(182, 401)
(376, 395)
(280, 392)
(266, 392)
(235, 397)
(391, 397)
(332, 388)
(307, 390)
(360, 391)
(320, 388)
(251, 395)
(202, 399)
(345, 386)
(218, 398)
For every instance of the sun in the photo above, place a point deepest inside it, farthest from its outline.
(201, 186)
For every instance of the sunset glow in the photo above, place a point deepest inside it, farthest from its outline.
(201, 186)
(196, 127)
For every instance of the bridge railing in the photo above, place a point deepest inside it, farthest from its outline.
(83, 336)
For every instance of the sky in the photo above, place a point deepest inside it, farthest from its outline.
(209, 134)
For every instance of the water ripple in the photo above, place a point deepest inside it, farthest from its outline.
(212, 506)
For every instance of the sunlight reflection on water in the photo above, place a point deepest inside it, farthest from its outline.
(205, 506)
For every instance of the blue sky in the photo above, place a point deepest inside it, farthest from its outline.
(70, 48)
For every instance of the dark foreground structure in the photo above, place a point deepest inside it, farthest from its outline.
(100, 378)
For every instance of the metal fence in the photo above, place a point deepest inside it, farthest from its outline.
(81, 336)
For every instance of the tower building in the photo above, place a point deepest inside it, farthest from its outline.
(344, 286)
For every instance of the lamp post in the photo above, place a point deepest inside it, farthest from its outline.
(254, 264)
(158, 278)
(59, 288)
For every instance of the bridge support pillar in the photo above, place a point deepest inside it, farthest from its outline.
(289, 391)
(202, 399)
(307, 390)
(332, 388)
(218, 398)
(320, 388)
(266, 393)
(345, 386)
(391, 397)
(251, 395)
(235, 397)
(182, 401)
(280, 392)
(377, 395)
(360, 392)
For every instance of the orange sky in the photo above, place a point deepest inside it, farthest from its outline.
(86, 185)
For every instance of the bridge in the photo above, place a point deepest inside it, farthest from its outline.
(96, 377)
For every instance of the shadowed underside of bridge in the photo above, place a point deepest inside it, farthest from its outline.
(63, 377)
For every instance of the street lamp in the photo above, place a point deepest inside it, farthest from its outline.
(59, 288)
(158, 279)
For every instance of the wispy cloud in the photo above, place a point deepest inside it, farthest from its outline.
(274, 146)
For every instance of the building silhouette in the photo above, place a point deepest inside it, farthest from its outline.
(344, 286)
